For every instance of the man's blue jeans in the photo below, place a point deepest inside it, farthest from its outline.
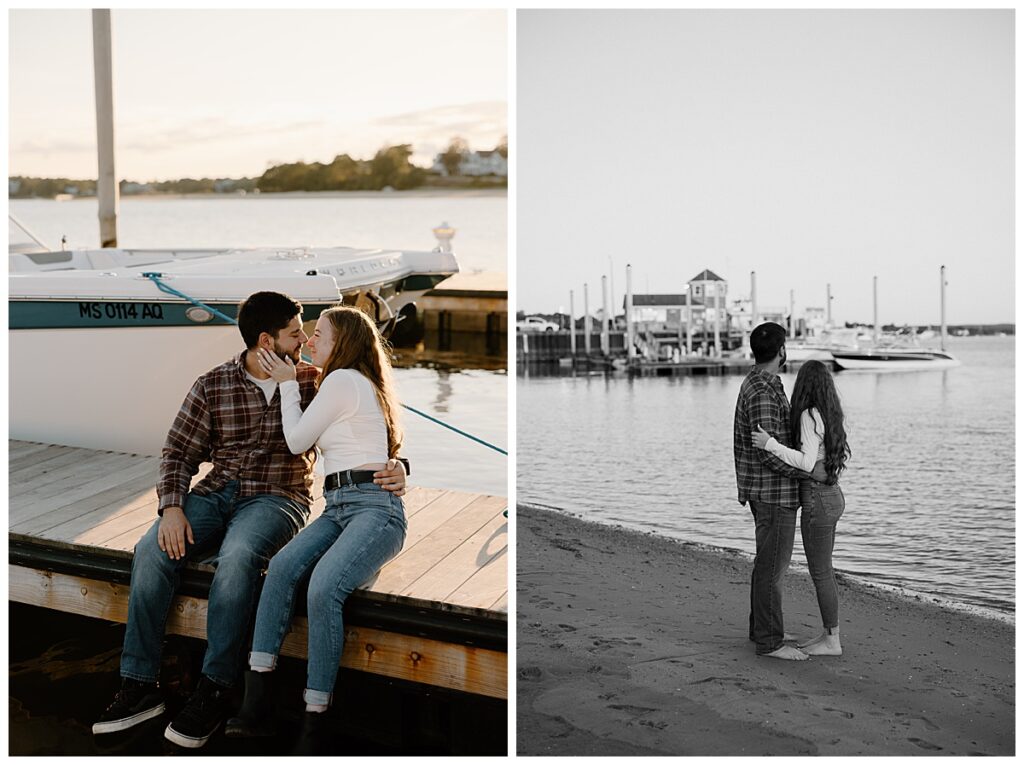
(774, 529)
(248, 532)
(362, 528)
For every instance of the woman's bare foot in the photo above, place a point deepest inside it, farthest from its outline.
(828, 645)
(787, 652)
(812, 641)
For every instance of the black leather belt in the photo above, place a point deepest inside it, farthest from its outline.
(334, 480)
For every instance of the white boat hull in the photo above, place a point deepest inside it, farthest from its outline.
(102, 359)
(112, 389)
(895, 361)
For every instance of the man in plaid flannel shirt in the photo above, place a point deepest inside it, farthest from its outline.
(253, 501)
(769, 486)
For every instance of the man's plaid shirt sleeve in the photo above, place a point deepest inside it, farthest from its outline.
(186, 448)
(764, 410)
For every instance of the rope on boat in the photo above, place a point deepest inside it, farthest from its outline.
(155, 278)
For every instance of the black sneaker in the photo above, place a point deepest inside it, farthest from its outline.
(315, 738)
(136, 702)
(256, 716)
(202, 715)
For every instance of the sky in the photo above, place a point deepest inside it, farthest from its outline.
(228, 93)
(812, 147)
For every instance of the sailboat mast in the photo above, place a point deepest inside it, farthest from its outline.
(106, 183)
(942, 279)
(876, 311)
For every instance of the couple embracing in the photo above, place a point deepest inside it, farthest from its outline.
(788, 457)
(257, 419)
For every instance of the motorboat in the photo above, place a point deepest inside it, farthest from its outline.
(895, 359)
(106, 343)
(899, 351)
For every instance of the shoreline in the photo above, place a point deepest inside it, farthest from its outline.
(799, 565)
(420, 192)
(631, 643)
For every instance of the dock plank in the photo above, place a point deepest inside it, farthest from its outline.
(68, 495)
(33, 457)
(18, 449)
(485, 586)
(455, 570)
(55, 466)
(399, 576)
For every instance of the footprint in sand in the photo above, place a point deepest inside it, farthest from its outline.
(925, 744)
(631, 709)
(566, 628)
(530, 673)
(927, 723)
(847, 715)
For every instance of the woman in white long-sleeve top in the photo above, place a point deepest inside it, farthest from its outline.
(819, 435)
(353, 420)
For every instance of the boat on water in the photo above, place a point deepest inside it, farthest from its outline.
(895, 359)
(101, 357)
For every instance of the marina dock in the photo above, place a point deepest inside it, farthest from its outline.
(437, 614)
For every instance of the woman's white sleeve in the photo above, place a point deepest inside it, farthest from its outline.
(810, 441)
(337, 399)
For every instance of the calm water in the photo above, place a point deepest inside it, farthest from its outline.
(398, 220)
(930, 488)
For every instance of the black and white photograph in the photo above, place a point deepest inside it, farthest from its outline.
(765, 467)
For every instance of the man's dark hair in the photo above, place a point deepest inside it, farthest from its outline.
(766, 340)
(265, 312)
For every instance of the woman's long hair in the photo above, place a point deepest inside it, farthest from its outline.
(359, 345)
(815, 389)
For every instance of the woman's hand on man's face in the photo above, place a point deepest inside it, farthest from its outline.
(759, 438)
(281, 371)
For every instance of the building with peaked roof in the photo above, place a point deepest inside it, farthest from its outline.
(713, 292)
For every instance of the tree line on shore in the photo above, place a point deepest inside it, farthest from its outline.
(390, 167)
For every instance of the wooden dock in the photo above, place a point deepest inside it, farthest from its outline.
(437, 614)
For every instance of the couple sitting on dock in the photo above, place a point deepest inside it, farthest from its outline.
(257, 419)
(776, 479)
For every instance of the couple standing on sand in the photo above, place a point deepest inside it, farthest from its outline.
(775, 479)
(257, 418)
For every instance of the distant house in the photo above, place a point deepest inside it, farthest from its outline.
(476, 163)
(13, 185)
(131, 187)
(661, 313)
(712, 290)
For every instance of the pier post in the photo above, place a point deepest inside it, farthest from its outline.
(586, 320)
(877, 329)
(689, 321)
(103, 73)
(605, 341)
(572, 326)
(942, 280)
(828, 306)
(792, 316)
(630, 351)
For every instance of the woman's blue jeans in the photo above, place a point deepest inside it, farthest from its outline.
(245, 533)
(362, 528)
(821, 508)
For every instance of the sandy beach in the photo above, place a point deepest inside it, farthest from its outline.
(631, 644)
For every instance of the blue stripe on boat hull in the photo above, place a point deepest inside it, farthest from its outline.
(85, 314)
